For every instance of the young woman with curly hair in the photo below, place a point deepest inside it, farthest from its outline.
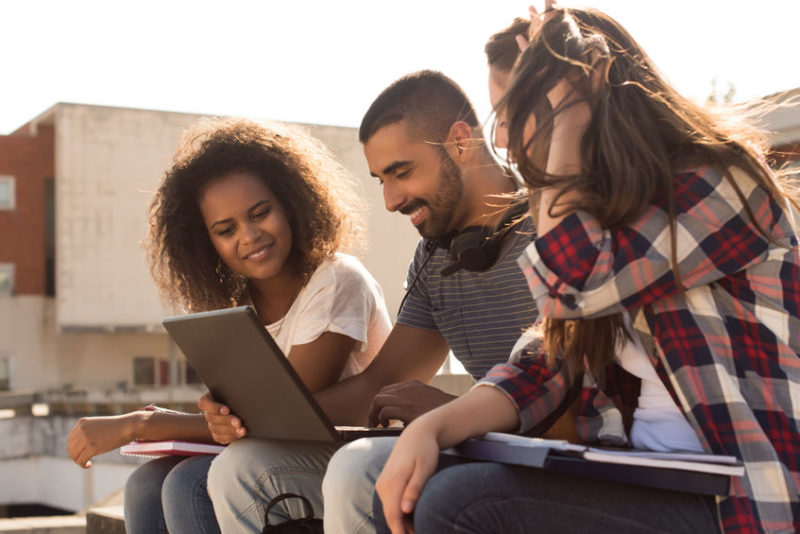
(248, 214)
(667, 270)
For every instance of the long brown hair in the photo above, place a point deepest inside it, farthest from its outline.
(501, 48)
(640, 126)
(314, 189)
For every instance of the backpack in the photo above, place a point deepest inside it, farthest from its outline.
(306, 525)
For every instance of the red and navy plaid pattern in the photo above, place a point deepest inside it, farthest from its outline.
(726, 345)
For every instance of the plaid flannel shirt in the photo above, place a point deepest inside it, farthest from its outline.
(726, 347)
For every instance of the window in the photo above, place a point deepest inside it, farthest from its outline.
(7, 194)
(6, 279)
(5, 373)
(150, 371)
(191, 375)
(144, 371)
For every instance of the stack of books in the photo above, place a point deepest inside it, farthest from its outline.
(707, 474)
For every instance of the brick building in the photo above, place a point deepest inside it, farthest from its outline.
(26, 194)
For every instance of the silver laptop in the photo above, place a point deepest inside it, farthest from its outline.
(244, 368)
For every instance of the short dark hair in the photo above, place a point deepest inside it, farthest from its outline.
(502, 49)
(430, 102)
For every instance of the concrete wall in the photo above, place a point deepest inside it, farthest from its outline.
(24, 341)
(108, 161)
(33, 455)
(44, 358)
(59, 483)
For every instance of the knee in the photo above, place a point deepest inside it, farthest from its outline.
(355, 467)
(143, 487)
(438, 505)
(338, 474)
(243, 462)
(187, 478)
(433, 498)
(234, 459)
(226, 464)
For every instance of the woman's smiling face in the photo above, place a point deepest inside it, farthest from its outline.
(247, 225)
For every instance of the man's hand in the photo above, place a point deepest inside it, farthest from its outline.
(405, 401)
(225, 427)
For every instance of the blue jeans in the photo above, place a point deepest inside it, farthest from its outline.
(169, 495)
(485, 497)
(349, 485)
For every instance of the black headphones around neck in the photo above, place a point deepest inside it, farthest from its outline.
(467, 250)
(476, 248)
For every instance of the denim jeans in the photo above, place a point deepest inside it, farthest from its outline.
(169, 495)
(485, 497)
(250, 472)
(349, 485)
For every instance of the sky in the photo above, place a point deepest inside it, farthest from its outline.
(324, 62)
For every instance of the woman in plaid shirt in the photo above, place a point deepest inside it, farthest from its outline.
(666, 266)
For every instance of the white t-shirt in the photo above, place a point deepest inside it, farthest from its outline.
(342, 297)
(658, 424)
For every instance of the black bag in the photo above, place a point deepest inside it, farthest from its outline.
(306, 525)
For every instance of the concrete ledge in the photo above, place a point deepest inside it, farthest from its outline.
(59, 524)
(105, 520)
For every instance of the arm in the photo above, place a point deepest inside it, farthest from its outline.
(580, 270)
(512, 397)
(405, 401)
(96, 435)
(321, 362)
(415, 455)
(409, 354)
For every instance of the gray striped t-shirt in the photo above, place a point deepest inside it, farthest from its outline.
(480, 314)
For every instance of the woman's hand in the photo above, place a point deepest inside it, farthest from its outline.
(416, 453)
(95, 435)
(412, 462)
(225, 428)
(537, 19)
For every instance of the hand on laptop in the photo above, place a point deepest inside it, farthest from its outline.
(225, 427)
(405, 401)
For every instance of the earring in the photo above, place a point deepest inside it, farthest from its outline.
(219, 268)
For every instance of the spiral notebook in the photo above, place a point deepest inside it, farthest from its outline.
(170, 448)
(244, 368)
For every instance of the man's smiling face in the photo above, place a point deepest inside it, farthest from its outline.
(419, 178)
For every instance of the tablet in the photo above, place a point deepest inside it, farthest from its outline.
(244, 369)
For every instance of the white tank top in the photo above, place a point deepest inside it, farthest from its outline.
(658, 423)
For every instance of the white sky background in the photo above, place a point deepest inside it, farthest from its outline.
(324, 62)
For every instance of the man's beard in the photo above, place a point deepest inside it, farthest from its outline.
(442, 207)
